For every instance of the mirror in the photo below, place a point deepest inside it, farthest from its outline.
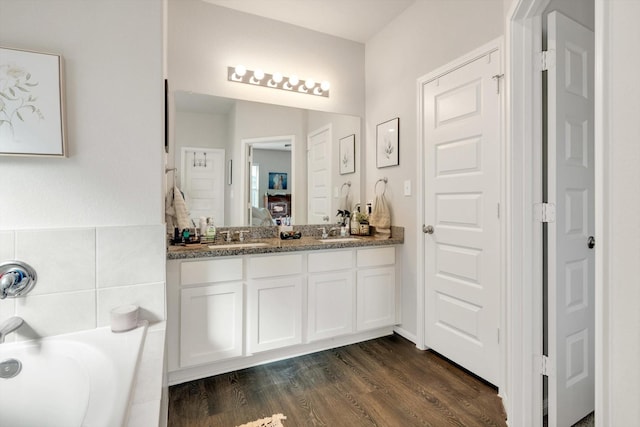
(242, 161)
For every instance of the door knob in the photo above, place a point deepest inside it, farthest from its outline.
(427, 229)
(591, 242)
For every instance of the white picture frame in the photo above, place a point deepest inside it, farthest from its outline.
(387, 143)
(32, 121)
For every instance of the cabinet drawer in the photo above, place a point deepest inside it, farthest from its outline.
(330, 261)
(275, 265)
(211, 271)
(376, 257)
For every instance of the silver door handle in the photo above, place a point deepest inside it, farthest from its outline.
(427, 229)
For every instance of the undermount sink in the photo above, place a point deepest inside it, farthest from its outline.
(339, 239)
(239, 245)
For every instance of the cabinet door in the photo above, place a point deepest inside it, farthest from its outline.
(331, 305)
(376, 294)
(210, 323)
(275, 313)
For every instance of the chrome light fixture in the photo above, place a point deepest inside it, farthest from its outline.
(240, 74)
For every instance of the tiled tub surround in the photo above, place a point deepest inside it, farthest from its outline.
(82, 274)
(311, 240)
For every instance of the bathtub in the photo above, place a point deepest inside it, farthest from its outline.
(81, 379)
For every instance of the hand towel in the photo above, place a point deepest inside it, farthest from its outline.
(380, 218)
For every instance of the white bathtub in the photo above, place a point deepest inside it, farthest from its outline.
(82, 379)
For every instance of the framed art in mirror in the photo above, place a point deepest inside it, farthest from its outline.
(347, 154)
(31, 104)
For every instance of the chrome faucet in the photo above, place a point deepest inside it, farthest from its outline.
(8, 326)
(332, 229)
(324, 232)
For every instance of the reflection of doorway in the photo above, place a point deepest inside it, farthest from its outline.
(202, 179)
(262, 156)
(319, 175)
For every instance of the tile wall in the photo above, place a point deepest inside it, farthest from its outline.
(83, 273)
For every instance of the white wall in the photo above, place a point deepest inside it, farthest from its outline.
(205, 39)
(114, 115)
(90, 224)
(425, 36)
(620, 241)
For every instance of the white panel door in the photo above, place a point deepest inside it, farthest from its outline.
(319, 174)
(462, 190)
(571, 188)
(203, 182)
(331, 305)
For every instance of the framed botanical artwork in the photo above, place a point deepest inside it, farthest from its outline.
(347, 154)
(31, 104)
(387, 143)
(277, 181)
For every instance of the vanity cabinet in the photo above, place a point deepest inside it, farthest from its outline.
(211, 311)
(376, 288)
(231, 312)
(331, 294)
(274, 302)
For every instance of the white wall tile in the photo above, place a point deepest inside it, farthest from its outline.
(149, 297)
(130, 255)
(55, 314)
(64, 259)
(7, 246)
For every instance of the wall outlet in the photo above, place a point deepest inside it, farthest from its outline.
(407, 187)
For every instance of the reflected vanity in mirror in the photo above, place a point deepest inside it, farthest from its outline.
(286, 164)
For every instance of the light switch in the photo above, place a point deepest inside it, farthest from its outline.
(407, 187)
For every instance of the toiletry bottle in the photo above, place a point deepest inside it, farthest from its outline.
(211, 229)
(355, 225)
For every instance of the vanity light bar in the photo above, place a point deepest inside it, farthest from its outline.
(240, 74)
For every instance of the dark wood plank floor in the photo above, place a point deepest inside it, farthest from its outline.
(383, 382)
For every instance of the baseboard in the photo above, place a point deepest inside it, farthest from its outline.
(406, 334)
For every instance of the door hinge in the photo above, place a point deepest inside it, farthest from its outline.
(545, 212)
(498, 211)
(546, 367)
(547, 59)
(498, 335)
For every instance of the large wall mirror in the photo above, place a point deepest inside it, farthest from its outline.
(247, 163)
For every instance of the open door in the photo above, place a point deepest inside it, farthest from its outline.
(570, 243)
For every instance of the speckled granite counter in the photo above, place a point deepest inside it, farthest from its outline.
(269, 244)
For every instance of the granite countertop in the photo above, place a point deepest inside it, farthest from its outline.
(269, 244)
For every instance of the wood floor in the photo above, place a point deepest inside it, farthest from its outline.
(383, 382)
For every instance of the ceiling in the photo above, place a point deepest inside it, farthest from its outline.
(356, 20)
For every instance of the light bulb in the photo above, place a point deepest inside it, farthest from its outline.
(309, 83)
(240, 70)
(258, 74)
(325, 86)
(293, 80)
(277, 77)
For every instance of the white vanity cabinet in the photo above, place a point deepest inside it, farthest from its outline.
(211, 311)
(274, 301)
(231, 312)
(331, 294)
(376, 288)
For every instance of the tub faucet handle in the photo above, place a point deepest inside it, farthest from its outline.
(16, 278)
